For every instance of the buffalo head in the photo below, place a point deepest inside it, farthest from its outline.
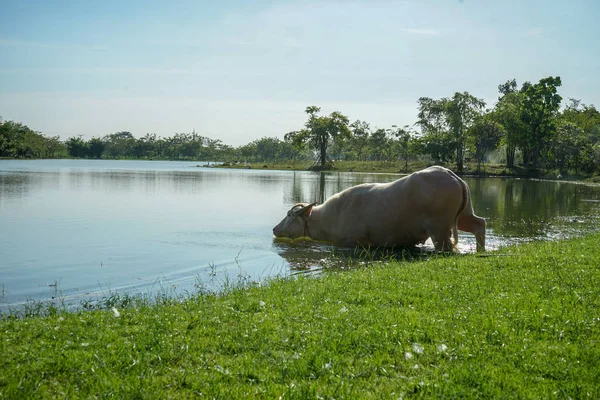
(294, 223)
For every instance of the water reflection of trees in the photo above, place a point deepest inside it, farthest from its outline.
(319, 186)
(14, 185)
(527, 208)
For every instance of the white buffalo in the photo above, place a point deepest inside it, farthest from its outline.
(432, 203)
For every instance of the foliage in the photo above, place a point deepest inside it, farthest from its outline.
(320, 131)
(533, 133)
(359, 140)
(445, 123)
(484, 136)
(539, 111)
(520, 323)
(566, 147)
(405, 137)
(19, 141)
(587, 119)
(507, 113)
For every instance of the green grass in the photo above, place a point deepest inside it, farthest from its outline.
(521, 323)
(397, 167)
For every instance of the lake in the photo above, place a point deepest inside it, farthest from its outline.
(82, 229)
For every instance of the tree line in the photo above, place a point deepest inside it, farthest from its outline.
(525, 127)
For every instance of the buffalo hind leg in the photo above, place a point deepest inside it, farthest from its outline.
(476, 226)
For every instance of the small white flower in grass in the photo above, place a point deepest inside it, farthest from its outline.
(116, 312)
(417, 348)
(262, 303)
(343, 310)
(442, 348)
(408, 355)
(85, 344)
(328, 365)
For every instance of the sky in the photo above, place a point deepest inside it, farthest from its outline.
(240, 70)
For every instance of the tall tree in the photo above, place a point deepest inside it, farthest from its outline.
(77, 147)
(320, 131)
(484, 136)
(95, 147)
(119, 145)
(445, 123)
(507, 113)
(566, 146)
(587, 119)
(359, 140)
(539, 110)
(379, 143)
(435, 139)
(462, 111)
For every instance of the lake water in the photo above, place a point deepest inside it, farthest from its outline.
(78, 229)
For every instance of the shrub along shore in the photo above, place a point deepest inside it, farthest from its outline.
(521, 322)
(486, 170)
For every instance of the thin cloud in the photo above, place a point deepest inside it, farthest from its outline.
(422, 32)
(132, 70)
(53, 46)
(535, 32)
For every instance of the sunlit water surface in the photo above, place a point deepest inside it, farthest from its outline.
(83, 229)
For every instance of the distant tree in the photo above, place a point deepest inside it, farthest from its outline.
(462, 111)
(484, 136)
(507, 113)
(54, 147)
(359, 139)
(145, 147)
(379, 143)
(405, 138)
(267, 149)
(320, 131)
(566, 146)
(445, 123)
(95, 148)
(119, 145)
(586, 118)
(77, 147)
(539, 111)
(507, 88)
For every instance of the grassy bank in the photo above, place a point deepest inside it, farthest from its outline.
(398, 168)
(521, 324)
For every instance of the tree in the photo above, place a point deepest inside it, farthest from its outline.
(95, 147)
(484, 136)
(566, 146)
(462, 111)
(379, 143)
(404, 137)
(359, 140)
(445, 123)
(507, 113)
(586, 118)
(320, 131)
(435, 140)
(119, 145)
(507, 88)
(77, 147)
(539, 110)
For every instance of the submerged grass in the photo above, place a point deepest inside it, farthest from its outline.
(522, 325)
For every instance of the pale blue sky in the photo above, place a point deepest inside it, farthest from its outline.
(241, 70)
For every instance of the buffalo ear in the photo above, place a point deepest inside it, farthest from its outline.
(305, 209)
